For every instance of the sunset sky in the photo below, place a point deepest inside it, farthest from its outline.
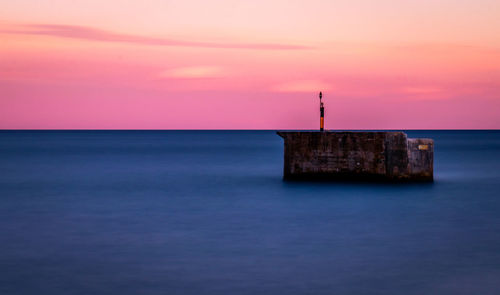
(221, 64)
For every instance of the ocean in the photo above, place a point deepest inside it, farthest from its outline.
(207, 212)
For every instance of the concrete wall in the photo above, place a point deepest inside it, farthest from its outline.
(421, 158)
(356, 155)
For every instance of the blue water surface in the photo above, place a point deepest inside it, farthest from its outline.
(207, 212)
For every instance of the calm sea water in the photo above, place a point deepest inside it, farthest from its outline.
(206, 212)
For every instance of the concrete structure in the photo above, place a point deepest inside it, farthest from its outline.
(357, 156)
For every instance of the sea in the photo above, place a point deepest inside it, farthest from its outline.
(207, 212)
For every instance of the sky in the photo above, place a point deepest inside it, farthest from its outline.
(221, 64)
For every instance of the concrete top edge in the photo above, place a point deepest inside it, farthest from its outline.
(335, 131)
(422, 139)
(339, 132)
(331, 132)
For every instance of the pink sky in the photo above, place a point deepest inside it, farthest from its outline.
(258, 64)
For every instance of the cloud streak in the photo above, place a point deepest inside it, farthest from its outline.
(302, 86)
(94, 34)
(195, 72)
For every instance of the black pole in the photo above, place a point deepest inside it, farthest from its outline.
(322, 113)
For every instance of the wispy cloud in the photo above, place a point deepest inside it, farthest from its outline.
(195, 72)
(426, 92)
(302, 86)
(421, 90)
(94, 34)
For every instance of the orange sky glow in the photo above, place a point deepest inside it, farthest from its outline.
(249, 64)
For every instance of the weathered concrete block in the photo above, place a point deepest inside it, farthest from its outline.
(421, 158)
(357, 156)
